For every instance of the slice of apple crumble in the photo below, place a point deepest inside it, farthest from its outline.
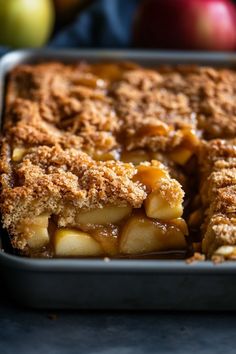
(68, 204)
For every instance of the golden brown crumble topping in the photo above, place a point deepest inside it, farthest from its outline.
(55, 178)
(218, 194)
(68, 127)
(140, 108)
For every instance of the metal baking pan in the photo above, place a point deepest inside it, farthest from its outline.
(116, 284)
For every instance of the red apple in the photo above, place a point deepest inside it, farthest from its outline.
(186, 24)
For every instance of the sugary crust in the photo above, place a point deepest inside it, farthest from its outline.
(202, 98)
(217, 161)
(55, 103)
(54, 180)
(216, 154)
(105, 106)
(171, 190)
(25, 127)
(221, 231)
(218, 194)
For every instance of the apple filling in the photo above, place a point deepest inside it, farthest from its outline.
(103, 216)
(69, 242)
(143, 235)
(136, 235)
(35, 231)
(18, 153)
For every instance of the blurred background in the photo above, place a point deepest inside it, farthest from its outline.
(161, 24)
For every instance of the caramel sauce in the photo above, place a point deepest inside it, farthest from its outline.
(149, 175)
(152, 130)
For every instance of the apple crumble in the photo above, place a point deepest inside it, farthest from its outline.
(113, 159)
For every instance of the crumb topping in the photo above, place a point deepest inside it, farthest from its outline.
(171, 190)
(221, 231)
(107, 106)
(53, 179)
(218, 194)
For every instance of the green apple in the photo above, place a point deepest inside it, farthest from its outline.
(25, 23)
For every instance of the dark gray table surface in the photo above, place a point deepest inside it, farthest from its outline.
(24, 331)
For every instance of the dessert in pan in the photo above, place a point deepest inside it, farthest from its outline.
(112, 159)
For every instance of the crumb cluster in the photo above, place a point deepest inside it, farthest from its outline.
(218, 194)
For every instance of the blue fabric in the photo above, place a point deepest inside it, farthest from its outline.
(3, 50)
(106, 23)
